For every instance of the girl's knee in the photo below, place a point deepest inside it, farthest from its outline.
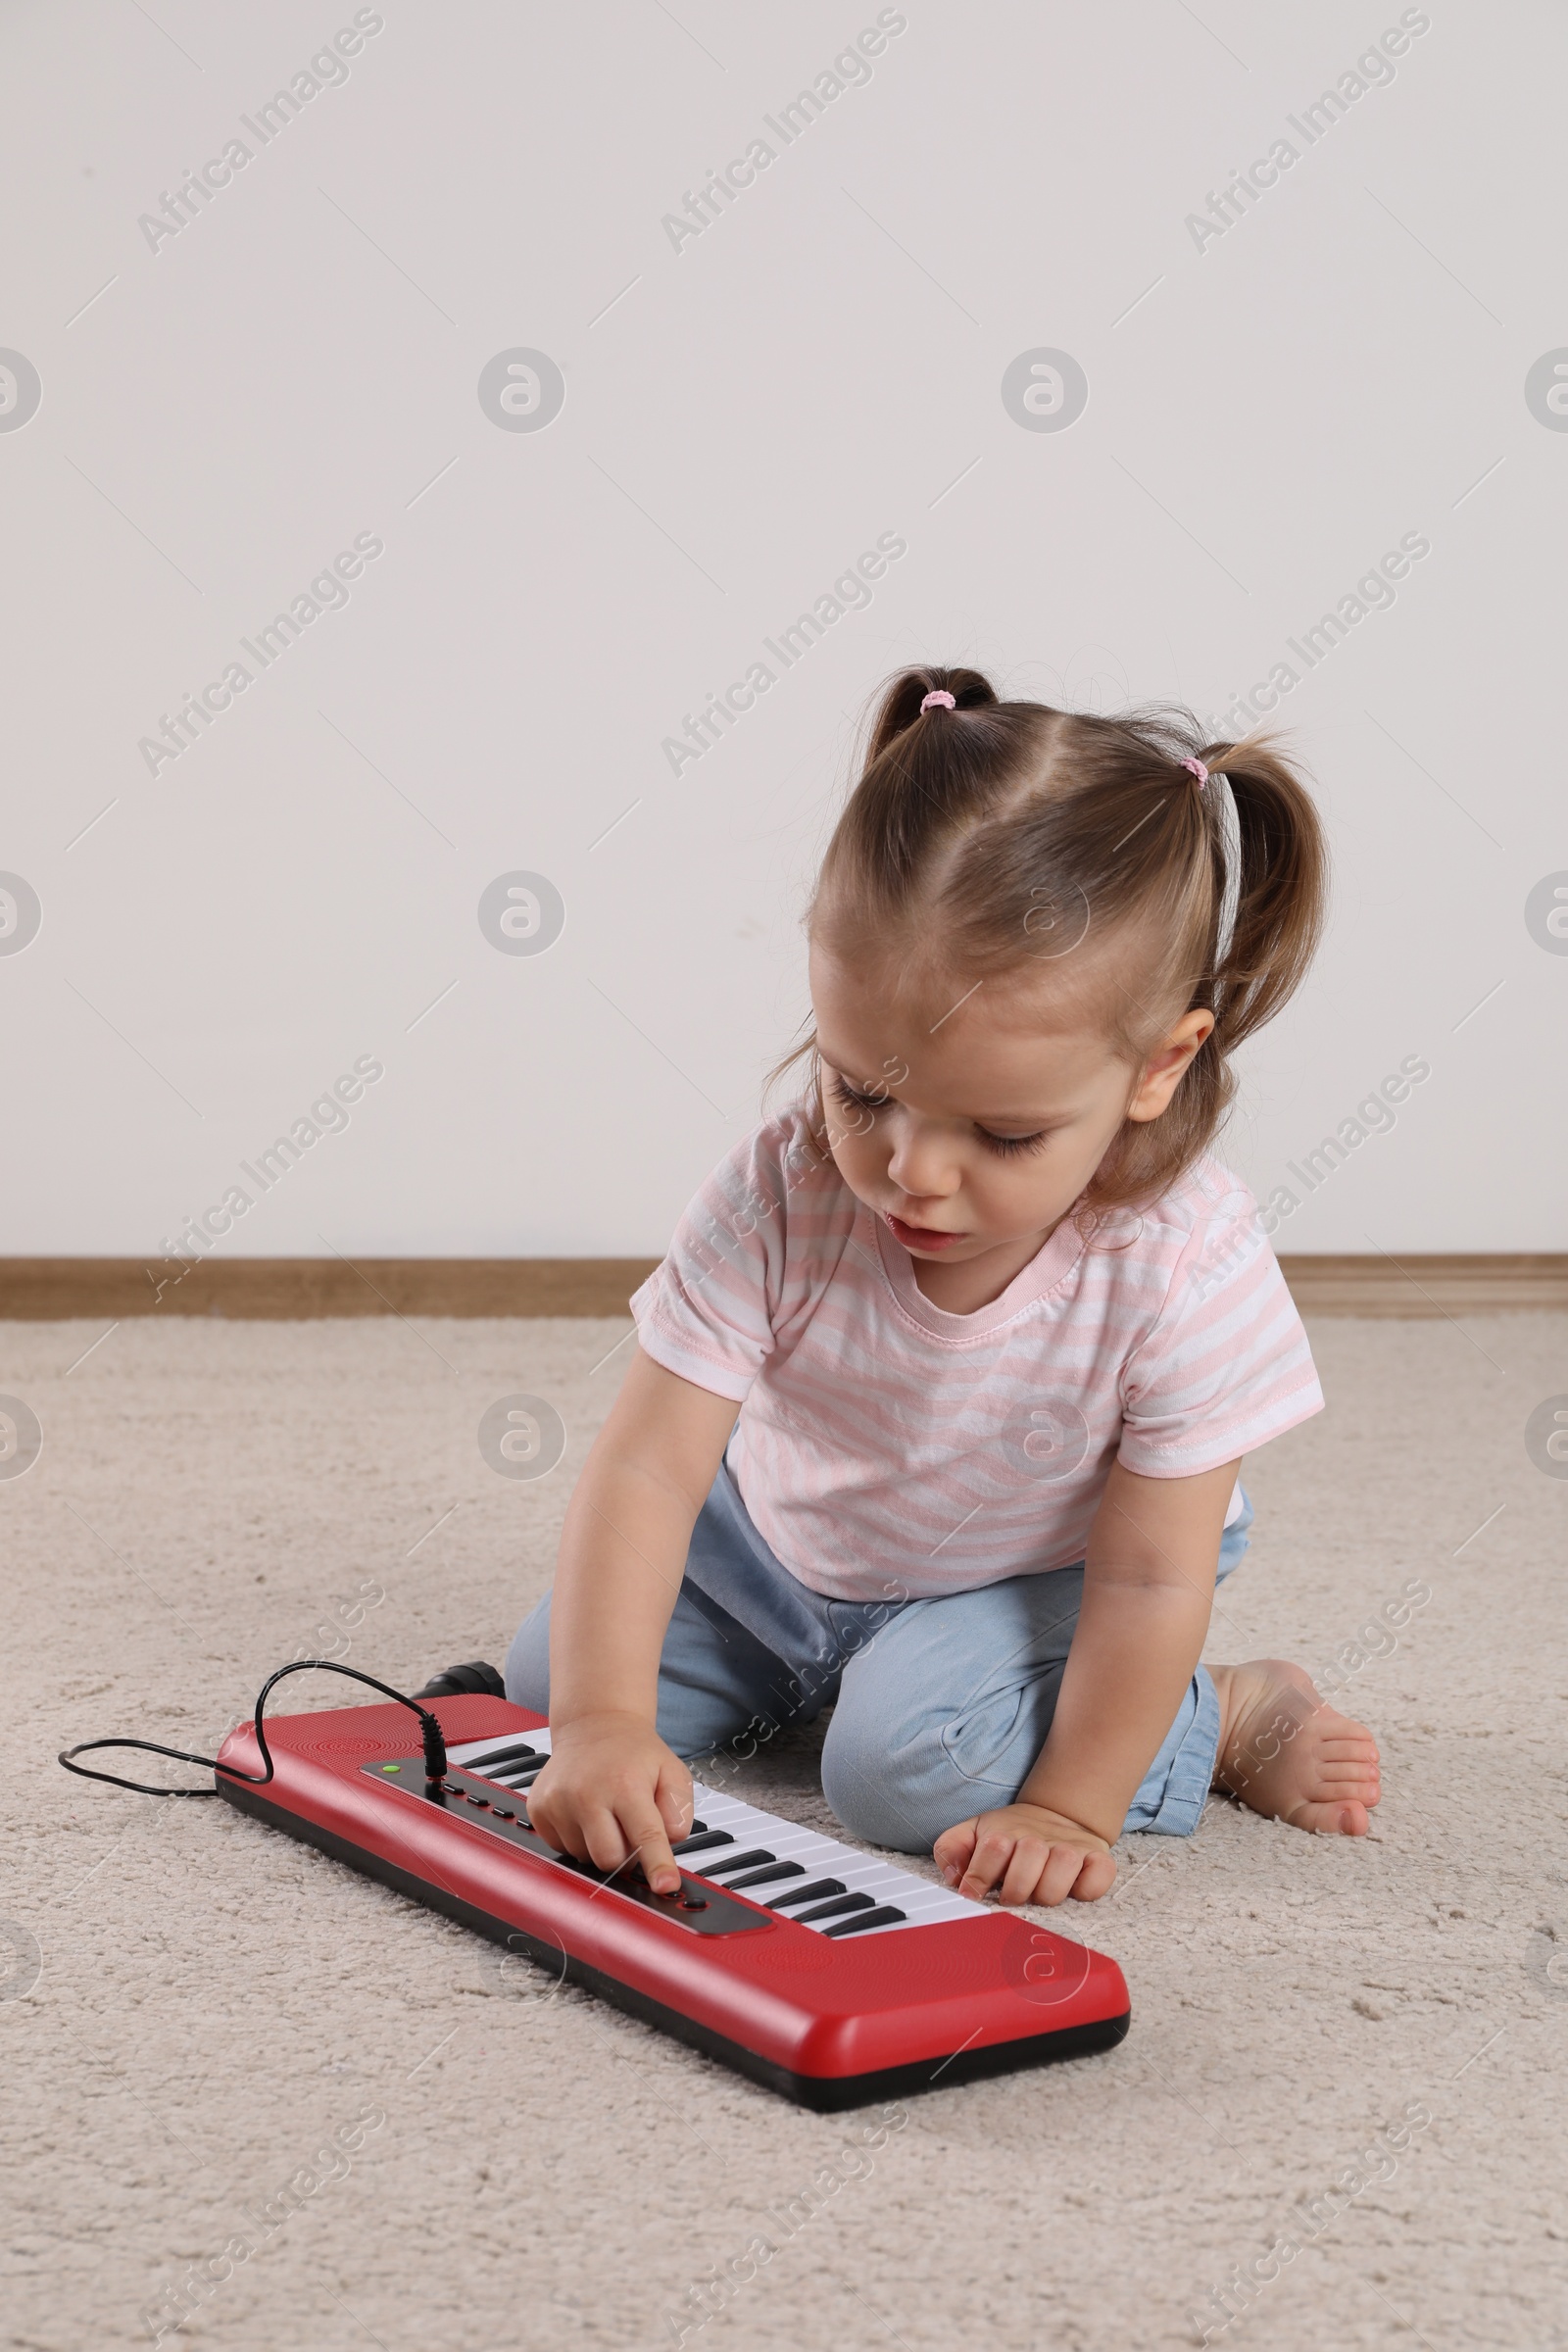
(894, 1798)
(527, 1668)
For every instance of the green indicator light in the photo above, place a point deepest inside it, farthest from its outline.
(391, 1767)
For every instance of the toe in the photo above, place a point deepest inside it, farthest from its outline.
(1341, 1817)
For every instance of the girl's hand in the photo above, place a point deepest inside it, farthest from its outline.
(1028, 1854)
(612, 1789)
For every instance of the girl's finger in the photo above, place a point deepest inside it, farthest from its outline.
(1064, 1867)
(561, 1821)
(991, 1857)
(953, 1849)
(645, 1834)
(1097, 1878)
(1025, 1872)
(607, 1843)
(673, 1797)
(543, 1817)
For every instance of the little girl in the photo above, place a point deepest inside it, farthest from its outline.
(941, 1394)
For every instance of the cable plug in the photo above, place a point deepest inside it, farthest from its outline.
(435, 1748)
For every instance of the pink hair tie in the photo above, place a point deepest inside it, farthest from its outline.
(942, 697)
(1195, 767)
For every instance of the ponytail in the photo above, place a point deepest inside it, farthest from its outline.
(1266, 906)
(900, 706)
(1279, 885)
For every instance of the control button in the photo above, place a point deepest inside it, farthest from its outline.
(483, 1802)
(694, 1902)
(454, 1787)
(501, 1812)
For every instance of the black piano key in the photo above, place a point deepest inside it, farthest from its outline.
(765, 1878)
(739, 1862)
(520, 1752)
(702, 1841)
(884, 1916)
(806, 1894)
(840, 1902)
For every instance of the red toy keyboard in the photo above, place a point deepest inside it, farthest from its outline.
(823, 1972)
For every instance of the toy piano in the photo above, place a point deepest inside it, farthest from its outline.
(826, 1974)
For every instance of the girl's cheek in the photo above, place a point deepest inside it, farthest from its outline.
(857, 1157)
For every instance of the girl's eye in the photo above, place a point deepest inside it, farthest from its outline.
(849, 1099)
(1007, 1143)
(845, 1094)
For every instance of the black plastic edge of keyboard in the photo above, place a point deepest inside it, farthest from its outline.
(827, 2094)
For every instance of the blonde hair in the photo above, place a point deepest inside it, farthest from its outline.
(1009, 834)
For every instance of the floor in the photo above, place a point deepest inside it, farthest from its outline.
(1336, 2120)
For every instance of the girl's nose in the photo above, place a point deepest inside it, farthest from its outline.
(920, 1166)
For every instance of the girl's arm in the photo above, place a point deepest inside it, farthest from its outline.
(1149, 1588)
(612, 1787)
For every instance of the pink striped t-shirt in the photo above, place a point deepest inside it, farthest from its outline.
(883, 1442)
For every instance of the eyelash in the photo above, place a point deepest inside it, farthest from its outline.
(1008, 1145)
(1004, 1146)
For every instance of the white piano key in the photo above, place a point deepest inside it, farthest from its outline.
(819, 1857)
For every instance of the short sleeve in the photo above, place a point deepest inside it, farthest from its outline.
(709, 1311)
(1227, 1364)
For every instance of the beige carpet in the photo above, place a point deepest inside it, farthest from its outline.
(214, 2006)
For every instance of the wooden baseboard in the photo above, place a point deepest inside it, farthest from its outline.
(1418, 1287)
(301, 1289)
(50, 1289)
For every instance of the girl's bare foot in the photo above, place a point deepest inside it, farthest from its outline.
(1290, 1755)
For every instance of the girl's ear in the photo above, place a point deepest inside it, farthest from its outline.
(1165, 1065)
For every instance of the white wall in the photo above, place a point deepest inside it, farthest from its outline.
(1345, 364)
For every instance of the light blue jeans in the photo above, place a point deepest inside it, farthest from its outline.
(940, 1706)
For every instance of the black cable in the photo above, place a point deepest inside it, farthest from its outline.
(435, 1750)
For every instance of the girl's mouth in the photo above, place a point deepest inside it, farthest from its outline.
(920, 1237)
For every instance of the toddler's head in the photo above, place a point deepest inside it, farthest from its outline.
(1035, 940)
